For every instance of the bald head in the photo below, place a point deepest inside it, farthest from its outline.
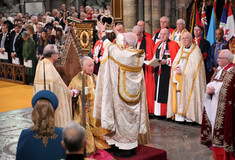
(164, 34)
(180, 24)
(49, 50)
(187, 39)
(120, 28)
(227, 54)
(138, 31)
(74, 137)
(164, 22)
(219, 34)
(130, 38)
(141, 24)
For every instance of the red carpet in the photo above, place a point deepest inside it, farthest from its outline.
(146, 153)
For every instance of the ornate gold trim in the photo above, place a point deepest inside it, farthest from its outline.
(84, 45)
(125, 67)
(130, 102)
(194, 78)
(124, 87)
(182, 78)
(45, 138)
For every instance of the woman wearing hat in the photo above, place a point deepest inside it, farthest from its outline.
(42, 141)
(29, 56)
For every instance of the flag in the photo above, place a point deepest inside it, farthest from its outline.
(195, 17)
(215, 8)
(204, 20)
(229, 28)
(211, 31)
(223, 19)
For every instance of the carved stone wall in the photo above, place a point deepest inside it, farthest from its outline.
(9, 6)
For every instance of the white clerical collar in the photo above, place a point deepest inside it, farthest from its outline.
(219, 73)
(187, 49)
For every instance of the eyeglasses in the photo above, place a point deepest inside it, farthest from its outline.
(186, 38)
(221, 58)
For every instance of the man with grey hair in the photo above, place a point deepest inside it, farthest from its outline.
(147, 44)
(121, 67)
(74, 141)
(47, 77)
(35, 22)
(217, 119)
(142, 25)
(179, 31)
(164, 22)
(165, 50)
(96, 140)
(188, 83)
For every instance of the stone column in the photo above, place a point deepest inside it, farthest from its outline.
(173, 17)
(181, 6)
(156, 14)
(48, 5)
(140, 9)
(148, 16)
(129, 14)
(168, 10)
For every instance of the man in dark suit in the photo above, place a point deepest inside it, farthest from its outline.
(5, 43)
(61, 19)
(16, 44)
(204, 46)
(74, 141)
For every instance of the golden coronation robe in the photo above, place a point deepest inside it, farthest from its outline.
(190, 87)
(94, 131)
(54, 83)
(120, 101)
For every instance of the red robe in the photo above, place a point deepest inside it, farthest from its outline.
(173, 48)
(147, 44)
(99, 53)
(157, 32)
(148, 35)
(224, 127)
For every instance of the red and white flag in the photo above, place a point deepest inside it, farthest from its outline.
(229, 28)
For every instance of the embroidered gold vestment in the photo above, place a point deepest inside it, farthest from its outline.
(54, 83)
(191, 85)
(120, 101)
(95, 132)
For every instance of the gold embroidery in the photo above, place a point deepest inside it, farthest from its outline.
(173, 35)
(45, 138)
(219, 121)
(194, 78)
(107, 44)
(104, 60)
(125, 67)
(181, 81)
(130, 102)
(124, 86)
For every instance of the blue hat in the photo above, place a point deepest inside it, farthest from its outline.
(48, 95)
(44, 30)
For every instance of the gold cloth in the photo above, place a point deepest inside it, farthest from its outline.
(120, 101)
(54, 83)
(191, 84)
(95, 132)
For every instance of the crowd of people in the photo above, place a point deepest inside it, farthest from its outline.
(171, 74)
(23, 37)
